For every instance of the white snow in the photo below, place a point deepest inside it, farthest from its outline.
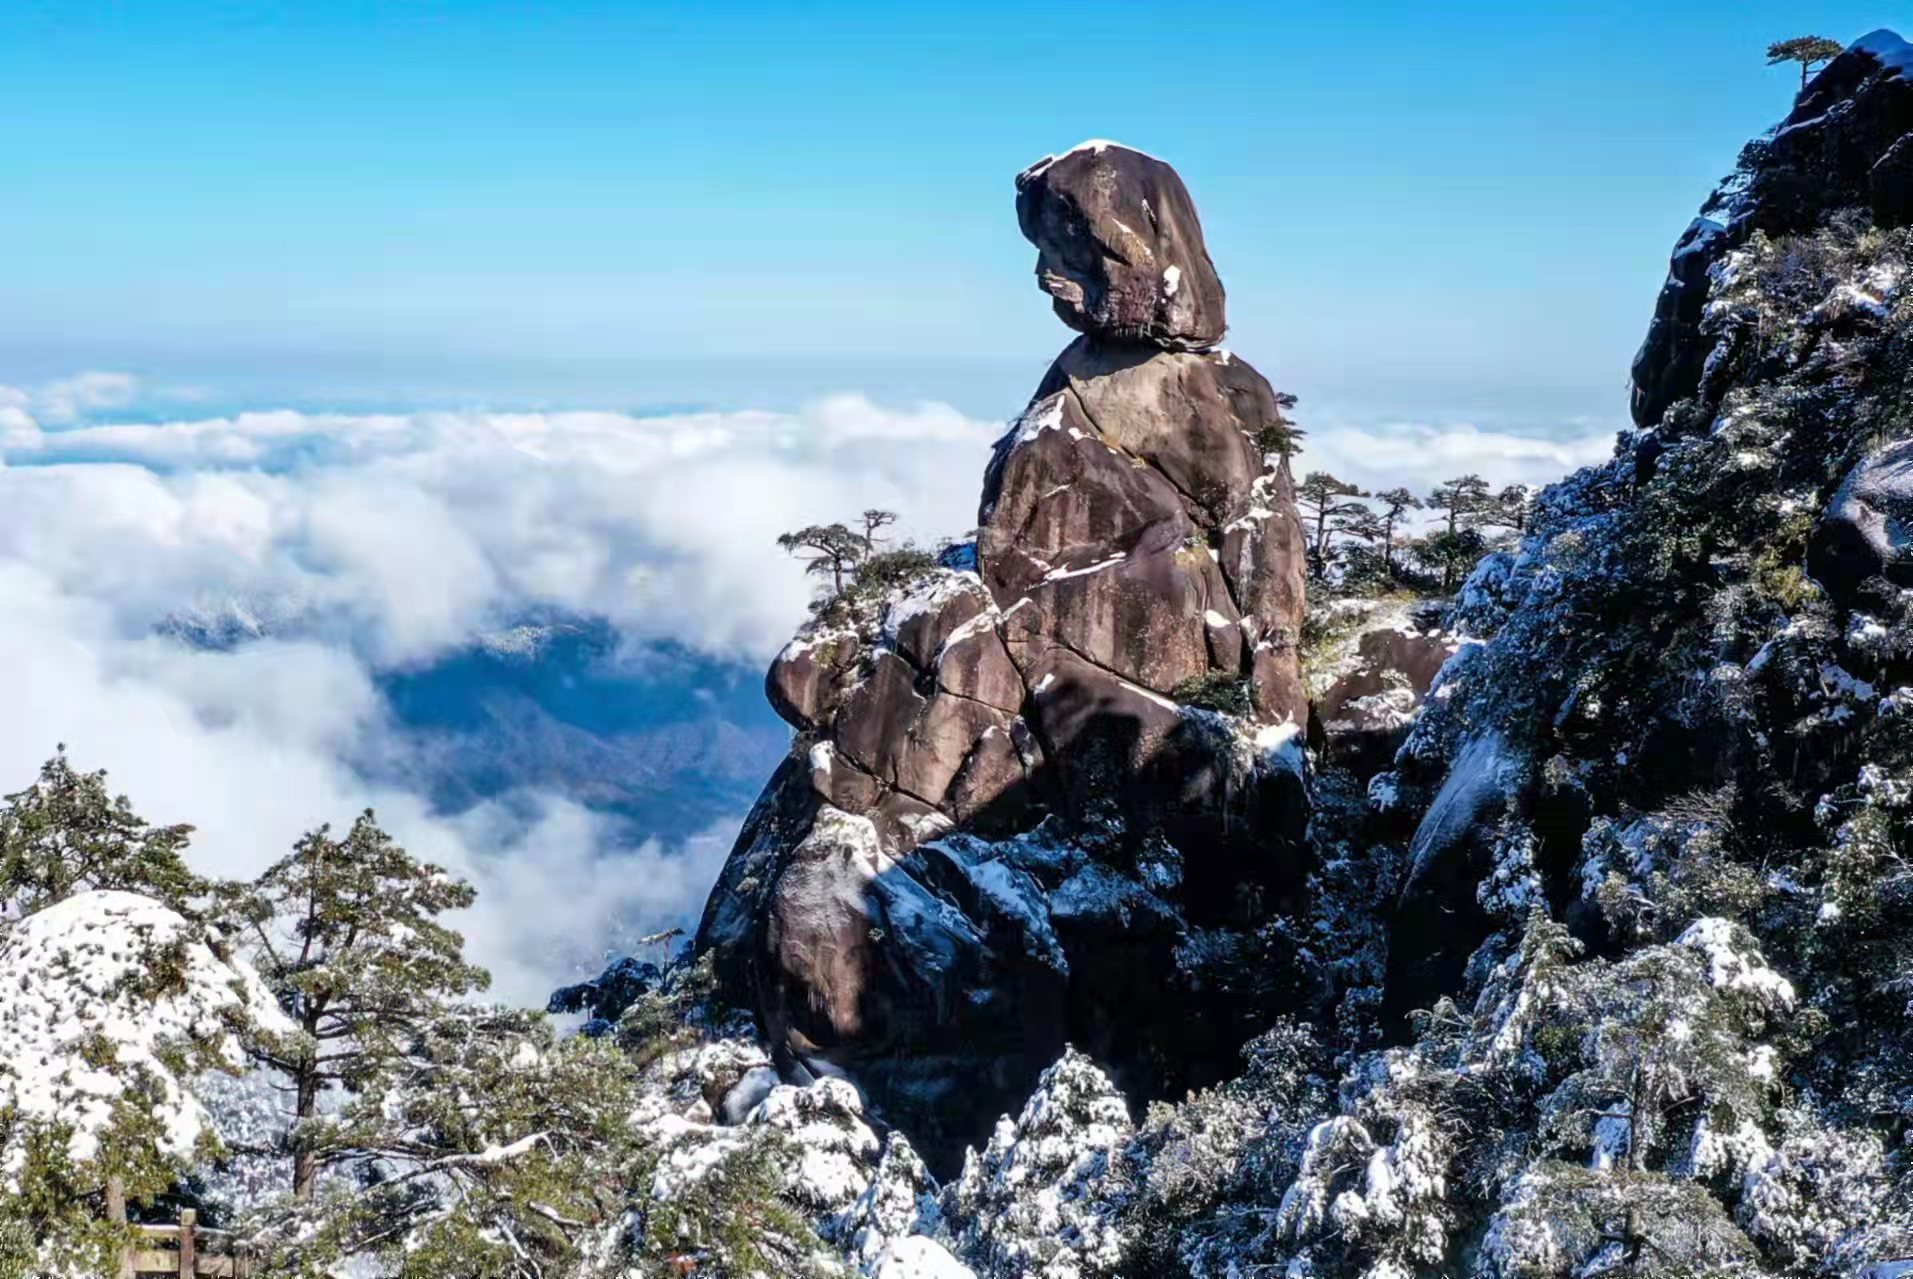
(1045, 415)
(1735, 963)
(1061, 574)
(825, 1120)
(927, 596)
(83, 1020)
(1150, 694)
(1033, 1202)
(916, 1257)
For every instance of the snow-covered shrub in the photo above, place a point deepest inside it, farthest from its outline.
(1562, 1220)
(1205, 1168)
(113, 1007)
(1045, 1198)
(1812, 1191)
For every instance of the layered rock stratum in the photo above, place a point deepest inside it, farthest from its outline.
(1001, 830)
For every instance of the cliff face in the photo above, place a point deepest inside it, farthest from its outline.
(1000, 829)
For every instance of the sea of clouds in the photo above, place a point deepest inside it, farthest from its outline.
(365, 543)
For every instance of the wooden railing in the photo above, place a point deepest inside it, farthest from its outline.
(187, 1252)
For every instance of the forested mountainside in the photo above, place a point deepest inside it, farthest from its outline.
(1137, 901)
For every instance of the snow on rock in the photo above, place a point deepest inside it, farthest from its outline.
(1894, 53)
(97, 994)
(712, 1068)
(1043, 1197)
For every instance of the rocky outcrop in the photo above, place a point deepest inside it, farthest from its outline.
(1768, 390)
(1119, 247)
(1844, 144)
(1366, 710)
(1867, 530)
(1001, 828)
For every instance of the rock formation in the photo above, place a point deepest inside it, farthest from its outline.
(1848, 142)
(1001, 829)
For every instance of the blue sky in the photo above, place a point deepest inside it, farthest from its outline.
(1432, 212)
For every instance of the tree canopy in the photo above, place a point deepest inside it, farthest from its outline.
(1808, 51)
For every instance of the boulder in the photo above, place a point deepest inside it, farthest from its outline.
(1822, 156)
(1867, 530)
(1890, 184)
(904, 739)
(1059, 499)
(1439, 920)
(1141, 617)
(918, 625)
(730, 928)
(867, 969)
(1119, 248)
(1840, 146)
(1263, 556)
(1366, 712)
(804, 680)
(973, 663)
(1191, 415)
(1668, 365)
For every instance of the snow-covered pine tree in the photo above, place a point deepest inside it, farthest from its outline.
(346, 933)
(486, 1147)
(67, 833)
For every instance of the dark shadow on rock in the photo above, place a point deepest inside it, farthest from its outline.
(1068, 909)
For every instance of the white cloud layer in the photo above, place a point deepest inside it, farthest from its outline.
(1418, 454)
(385, 540)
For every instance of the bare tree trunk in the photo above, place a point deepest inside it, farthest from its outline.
(305, 1163)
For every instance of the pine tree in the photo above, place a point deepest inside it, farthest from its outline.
(1461, 501)
(1323, 498)
(1279, 435)
(1463, 504)
(874, 519)
(1449, 554)
(67, 834)
(829, 549)
(348, 938)
(1808, 51)
(1396, 503)
(500, 1150)
(1509, 508)
(1355, 532)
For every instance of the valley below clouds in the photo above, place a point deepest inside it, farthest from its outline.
(532, 641)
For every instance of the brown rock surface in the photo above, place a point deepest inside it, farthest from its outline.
(999, 828)
(1119, 247)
